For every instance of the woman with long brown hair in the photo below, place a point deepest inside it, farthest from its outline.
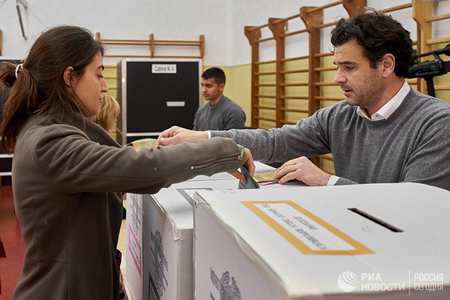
(68, 173)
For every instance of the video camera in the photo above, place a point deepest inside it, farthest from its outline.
(429, 69)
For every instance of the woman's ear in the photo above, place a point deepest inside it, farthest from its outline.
(67, 75)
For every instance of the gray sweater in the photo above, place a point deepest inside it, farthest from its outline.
(226, 114)
(412, 145)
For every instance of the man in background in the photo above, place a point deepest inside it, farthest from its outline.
(219, 113)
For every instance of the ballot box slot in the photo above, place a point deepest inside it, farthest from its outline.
(375, 220)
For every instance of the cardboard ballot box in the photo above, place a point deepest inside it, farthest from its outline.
(343, 242)
(168, 230)
(159, 259)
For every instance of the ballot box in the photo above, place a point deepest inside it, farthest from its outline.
(168, 231)
(161, 235)
(168, 234)
(373, 241)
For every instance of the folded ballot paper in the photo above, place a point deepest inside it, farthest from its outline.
(250, 184)
(142, 143)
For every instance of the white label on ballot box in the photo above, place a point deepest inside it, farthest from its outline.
(304, 230)
(164, 69)
(302, 227)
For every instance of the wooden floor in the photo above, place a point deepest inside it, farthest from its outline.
(11, 236)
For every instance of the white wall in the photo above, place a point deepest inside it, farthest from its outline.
(221, 21)
(132, 19)
(257, 13)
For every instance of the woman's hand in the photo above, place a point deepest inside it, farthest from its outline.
(248, 164)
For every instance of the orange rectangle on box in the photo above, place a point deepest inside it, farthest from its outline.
(305, 231)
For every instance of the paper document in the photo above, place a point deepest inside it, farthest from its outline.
(266, 177)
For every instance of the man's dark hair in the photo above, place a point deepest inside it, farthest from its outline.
(216, 73)
(378, 34)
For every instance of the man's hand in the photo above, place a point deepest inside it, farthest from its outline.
(303, 170)
(248, 164)
(177, 135)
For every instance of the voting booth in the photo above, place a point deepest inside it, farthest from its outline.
(367, 241)
(155, 94)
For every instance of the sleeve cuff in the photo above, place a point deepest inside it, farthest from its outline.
(209, 134)
(332, 181)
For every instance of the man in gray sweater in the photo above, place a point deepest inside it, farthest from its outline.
(383, 132)
(219, 113)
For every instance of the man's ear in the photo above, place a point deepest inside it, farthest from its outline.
(221, 87)
(388, 64)
(67, 75)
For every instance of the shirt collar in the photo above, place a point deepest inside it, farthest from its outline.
(386, 111)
